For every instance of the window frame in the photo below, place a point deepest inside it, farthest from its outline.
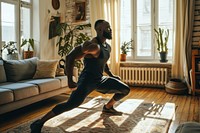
(18, 4)
(154, 24)
(17, 26)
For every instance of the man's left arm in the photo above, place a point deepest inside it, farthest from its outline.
(107, 71)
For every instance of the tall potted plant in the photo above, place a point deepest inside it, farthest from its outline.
(30, 47)
(125, 47)
(162, 37)
(71, 36)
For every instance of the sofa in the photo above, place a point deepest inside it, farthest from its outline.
(23, 82)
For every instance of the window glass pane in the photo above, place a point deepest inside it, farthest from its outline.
(26, 1)
(25, 23)
(166, 20)
(144, 28)
(8, 22)
(125, 33)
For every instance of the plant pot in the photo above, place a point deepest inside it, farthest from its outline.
(28, 54)
(176, 86)
(163, 57)
(12, 56)
(122, 57)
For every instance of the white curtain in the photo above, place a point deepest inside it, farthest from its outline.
(182, 50)
(108, 10)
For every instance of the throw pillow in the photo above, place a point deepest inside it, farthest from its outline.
(17, 70)
(46, 69)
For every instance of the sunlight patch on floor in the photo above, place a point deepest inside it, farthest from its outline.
(56, 121)
(139, 113)
(157, 113)
(93, 103)
(87, 122)
(128, 106)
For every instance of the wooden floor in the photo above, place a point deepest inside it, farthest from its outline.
(187, 107)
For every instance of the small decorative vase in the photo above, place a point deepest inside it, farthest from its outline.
(122, 57)
(12, 56)
(28, 54)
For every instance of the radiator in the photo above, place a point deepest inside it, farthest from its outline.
(144, 76)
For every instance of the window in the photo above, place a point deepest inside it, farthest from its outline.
(8, 22)
(126, 22)
(139, 18)
(10, 14)
(25, 20)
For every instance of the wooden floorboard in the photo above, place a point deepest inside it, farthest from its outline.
(187, 106)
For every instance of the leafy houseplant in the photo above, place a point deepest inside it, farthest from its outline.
(30, 44)
(12, 52)
(71, 36)
(126, 47)
(162, 37)
(11, 47)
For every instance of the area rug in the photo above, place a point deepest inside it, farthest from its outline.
(138, 117)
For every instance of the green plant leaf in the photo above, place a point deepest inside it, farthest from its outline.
(24, 41)
(71, 36)
(162, 36)
(127, 46)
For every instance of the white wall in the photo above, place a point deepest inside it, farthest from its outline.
(45, 47)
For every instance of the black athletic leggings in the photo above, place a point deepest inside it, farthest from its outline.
(86, 86)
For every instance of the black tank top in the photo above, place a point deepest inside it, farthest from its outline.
(94, 67)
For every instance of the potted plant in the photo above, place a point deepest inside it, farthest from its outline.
(71, 36)
(162, 36)
(12, 53)
(125, 47)
(30, 47)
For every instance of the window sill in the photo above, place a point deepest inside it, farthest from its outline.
(145, 64)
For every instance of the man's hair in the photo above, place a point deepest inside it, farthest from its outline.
(97, 23)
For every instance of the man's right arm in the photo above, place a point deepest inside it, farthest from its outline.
(76, 53)
(89, 47)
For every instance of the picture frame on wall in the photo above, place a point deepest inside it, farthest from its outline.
(80, 11)
(55, 21)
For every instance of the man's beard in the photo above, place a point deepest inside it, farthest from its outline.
(107, 35)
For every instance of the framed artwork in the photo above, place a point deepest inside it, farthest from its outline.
(56, 4)
(80, 11)
(55, 21)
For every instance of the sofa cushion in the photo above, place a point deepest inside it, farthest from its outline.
(2, 72)
(20, 69)
(63, 80)
(46, 69)
(21, 90)
(45, 85)
(6, 96)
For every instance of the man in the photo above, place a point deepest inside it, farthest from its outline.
(96, 54)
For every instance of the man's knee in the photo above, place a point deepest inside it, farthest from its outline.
(126, 90)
